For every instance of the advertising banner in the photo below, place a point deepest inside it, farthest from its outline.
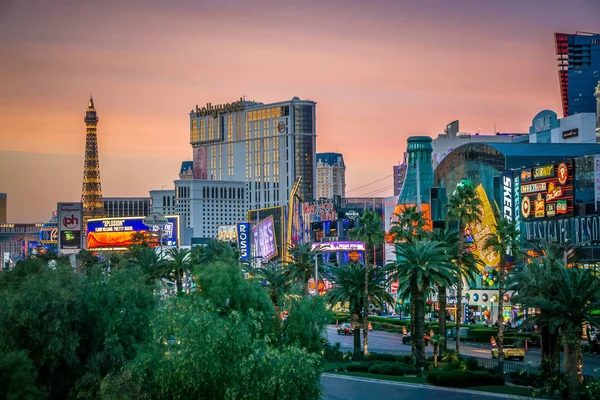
(227, 233)
(547, 191)
(597, 179)
(477, 234)
(70, 224)
(120, 233)
(243, 240)
(264, 239)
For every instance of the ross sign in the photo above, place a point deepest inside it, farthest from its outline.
(264, 239)
(121, 233)
(214, 111)
(243, 239)
(570, 133)
(70, 224)
(338, 246)
(155, 219)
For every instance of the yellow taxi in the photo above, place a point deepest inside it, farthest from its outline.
(510, 352)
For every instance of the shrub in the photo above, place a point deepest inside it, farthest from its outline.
(332, 353)
(450, 355)
(407, 359)
(483, 335)
(394, 369)
(525, 379)
(472, 364)
(456, 365)
(462, 379)
(359, 366)
(411, 370)
(381, 357)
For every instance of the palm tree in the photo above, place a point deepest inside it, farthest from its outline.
(464, 207)
(436, 340)
(149, 262)
(577, 297)
(177, 264)
(535, 278)
(409, 226)
(507, 239)
(449, 238)
(214, 250)
(421, 264)
(349, 286)
(370, 231)
(302, 265)
(277, 282)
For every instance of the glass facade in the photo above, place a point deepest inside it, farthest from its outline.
(304, 146)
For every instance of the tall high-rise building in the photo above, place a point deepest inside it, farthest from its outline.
(399, 175)
(267, 146)
(578, 70)
(91, 191)
(597, 95)
(331, 175)
(126, 206)
(3, 208)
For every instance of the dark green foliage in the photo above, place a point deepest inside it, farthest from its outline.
(483, 335)
(358, 366)
(407, 360)
(389, 368)
(332, 353)
(305, 324)
(526, 379)
(381, 357)
(472, 364)
(17, 376)
(464, 378)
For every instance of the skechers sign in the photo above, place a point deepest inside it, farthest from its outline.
(243, 229)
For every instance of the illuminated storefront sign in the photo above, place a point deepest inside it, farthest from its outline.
(120, 233)
(550, 193)
(70, 223)
(319, 211)
(570, 133)
(219, 109)
(338, 246)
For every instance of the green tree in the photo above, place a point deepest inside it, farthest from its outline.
(464, 208)
(369, 230)
(421, 264)
(17, 376)
(506, 239)
(213, 251)
(177, 264)
(302, 264)
(277, 282)
(149, 262)
(349, 286)
(576, 299)
(305, 325)
(435, 340)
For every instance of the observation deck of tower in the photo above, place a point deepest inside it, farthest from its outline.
(91, 191)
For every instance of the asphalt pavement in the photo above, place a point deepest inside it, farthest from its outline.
(339, 387)
(393, 341)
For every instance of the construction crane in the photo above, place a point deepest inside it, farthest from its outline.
(288, 242)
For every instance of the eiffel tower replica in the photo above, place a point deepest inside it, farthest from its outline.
(91, 191)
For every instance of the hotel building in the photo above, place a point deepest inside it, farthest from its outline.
(266, 146)
(126, 206)
(331, 176)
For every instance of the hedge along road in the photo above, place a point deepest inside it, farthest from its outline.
(393, 341)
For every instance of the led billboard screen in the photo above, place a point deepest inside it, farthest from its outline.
(547, 191)
(120, 233)
(263, 235)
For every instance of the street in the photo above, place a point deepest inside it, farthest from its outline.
(338, 387)
(393, 341)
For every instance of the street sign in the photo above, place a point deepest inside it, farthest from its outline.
(155, 219)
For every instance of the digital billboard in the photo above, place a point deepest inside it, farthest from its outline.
(70, 224)
(227, 233)
(476, 234)
(120, 233)
(547, 191)
(278, 217)
(264, 242)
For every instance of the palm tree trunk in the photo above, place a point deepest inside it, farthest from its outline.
(554, 352)
(436, 347)
(442, 299)
(366, 316)
(357, 355)
(500, 340)
(572, 348)
(413, 324)
(459, 287)
(419, 338)
(178, 282)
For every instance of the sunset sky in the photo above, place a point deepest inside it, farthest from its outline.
(380, 71)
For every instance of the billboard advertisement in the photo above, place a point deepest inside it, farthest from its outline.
(227, 233)
(70, 224)
(243, 240)
(511, 194)
(477, 234)
(264, 241)
(399, 210)
(120, 233)
(278, 216)
(547, 191)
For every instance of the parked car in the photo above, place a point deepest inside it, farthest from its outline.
(510, 352)
(406, 339)
(345, 329)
